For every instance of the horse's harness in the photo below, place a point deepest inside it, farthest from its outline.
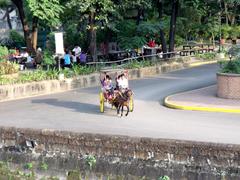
(124, 94)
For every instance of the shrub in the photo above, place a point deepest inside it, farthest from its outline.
(48, 59)
(6, 42)
(231, 66)
(138, 64)
(8, 68)
(17, 39)
(234, 51)
(81, 70)
(3, 53)
(207, 56)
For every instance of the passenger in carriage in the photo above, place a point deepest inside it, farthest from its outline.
(107, 86)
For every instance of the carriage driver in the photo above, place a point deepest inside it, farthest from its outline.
(122, 81)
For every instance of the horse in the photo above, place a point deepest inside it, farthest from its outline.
(121, 100)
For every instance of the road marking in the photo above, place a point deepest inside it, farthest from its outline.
(173, 105)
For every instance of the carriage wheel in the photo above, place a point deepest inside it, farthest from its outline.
(101, 102)
(131, 105)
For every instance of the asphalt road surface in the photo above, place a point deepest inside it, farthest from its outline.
(78, 111)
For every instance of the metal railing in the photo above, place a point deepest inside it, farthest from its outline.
(154, 57)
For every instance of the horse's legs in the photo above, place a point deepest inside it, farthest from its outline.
(122, 111)
(118, 109)
(127, 110)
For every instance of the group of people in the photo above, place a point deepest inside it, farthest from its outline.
(121, 84)
(76, 56)
(24, 58)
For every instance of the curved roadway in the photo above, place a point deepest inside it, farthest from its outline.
(78, 111)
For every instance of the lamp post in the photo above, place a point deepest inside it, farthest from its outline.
(230, 57)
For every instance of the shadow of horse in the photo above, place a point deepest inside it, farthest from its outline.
(77, 106)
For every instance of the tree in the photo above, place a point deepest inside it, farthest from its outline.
(47, 11)
(159, 4)
(175, 7)
(231, 8)
(8, 6)
(97, 13)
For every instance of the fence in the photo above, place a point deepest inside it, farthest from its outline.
(155, 58)
(152, 58)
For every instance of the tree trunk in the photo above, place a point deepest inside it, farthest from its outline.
(233, 19)
(92, 36)
(26, 31)
(162, 36)
(8, 17)
(34, 33)
(139, 16)
(226, 12)
(175, 4)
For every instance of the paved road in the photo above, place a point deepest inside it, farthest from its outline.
(78, 111)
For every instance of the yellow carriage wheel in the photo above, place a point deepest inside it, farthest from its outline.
(131, 105)
(101, 102)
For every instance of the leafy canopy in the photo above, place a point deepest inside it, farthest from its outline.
(46, 10)
(102, 10)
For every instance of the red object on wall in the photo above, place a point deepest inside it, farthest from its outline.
(151, 43)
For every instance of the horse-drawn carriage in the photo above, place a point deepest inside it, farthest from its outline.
(120, 96)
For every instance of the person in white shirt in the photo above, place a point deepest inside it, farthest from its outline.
(77, 52)
(122, 82)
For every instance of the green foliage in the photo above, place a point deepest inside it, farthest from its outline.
(207, 56)
(17, 39)
(82, 70)
(225, 31)
(74, 36)
(48, 58)
(48, 11)
(3, 53)
(134, 64)
(4, 3)
(100, 8)
(231, 66)
(44, 166)
(51, 42)
(127, 36)
(73, 175)
(235, 32)
(91, 161)
(179, 40)
(67, 72)
(234, 51)
(164, 178)
(18, 174)
(29, 166)
(52, 74)
(7, 67)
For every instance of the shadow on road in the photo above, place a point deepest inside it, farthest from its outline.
(77, 106)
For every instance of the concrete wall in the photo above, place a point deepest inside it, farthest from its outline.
(10, 92)
(228, 86)
(181, 160)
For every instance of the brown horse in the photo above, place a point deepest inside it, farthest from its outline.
(121, 100)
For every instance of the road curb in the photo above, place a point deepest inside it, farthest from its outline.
(173, 105)
(202, 63)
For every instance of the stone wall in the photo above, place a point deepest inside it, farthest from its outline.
(10, 92)
(228, 86)
(122, 155)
